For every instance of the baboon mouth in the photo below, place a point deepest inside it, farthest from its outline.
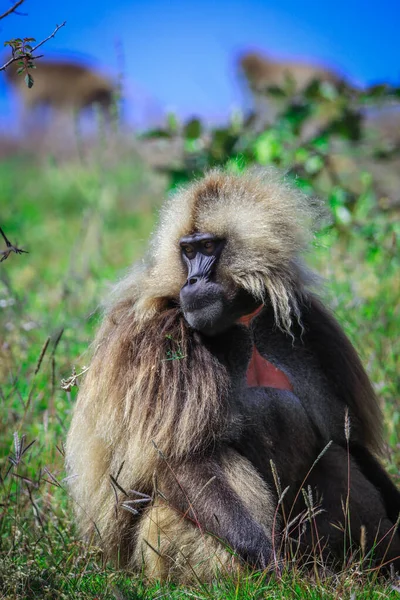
(204, 306)
(194, 306)
(203, 317)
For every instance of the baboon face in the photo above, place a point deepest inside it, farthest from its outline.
(208, 305)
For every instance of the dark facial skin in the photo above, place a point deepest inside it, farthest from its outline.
(206, 305)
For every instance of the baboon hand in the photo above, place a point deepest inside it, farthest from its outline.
(257, 551)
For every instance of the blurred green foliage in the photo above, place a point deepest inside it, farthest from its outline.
(321, 139)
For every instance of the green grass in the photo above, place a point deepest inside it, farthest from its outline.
(83, 226)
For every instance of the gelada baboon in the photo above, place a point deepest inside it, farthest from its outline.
(63, 86)
(214, 359)
(261, 73)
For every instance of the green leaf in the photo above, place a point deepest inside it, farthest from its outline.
(29, 80)
(303, 184)
(313, 164)
(328, 90)
(321, 143)
(267, 147)
(192, 129)
(191, 145)
(378, 91)
(338, 197)
(155, 133)
(343, 215)
(276, 92)
(237, 164)
(173, 122)
(313, 90)
(301, 155)
(296, 115)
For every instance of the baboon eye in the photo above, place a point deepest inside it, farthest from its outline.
(208, 246)
(188, 250)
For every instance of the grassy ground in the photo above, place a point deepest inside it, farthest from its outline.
(83, 226)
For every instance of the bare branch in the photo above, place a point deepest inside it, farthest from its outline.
(49, 37)
(16, 58)
(11, 9)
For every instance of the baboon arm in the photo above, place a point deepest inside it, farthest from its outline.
(336, 479)
(219, 495)
(278, 429)
(325, 372)
(371, 468)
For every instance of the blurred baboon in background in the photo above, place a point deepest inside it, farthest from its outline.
(381, 123)
(261, 73)
(62, 88)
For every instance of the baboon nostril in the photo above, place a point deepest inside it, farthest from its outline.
(192, 280)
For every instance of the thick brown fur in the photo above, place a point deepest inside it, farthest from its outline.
(155, 399)
(270, 234)
(135, 387)
(255, 212)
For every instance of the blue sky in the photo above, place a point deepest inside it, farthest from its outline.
(180, 54)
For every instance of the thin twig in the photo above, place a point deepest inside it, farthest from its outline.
(10, 248)
(11, 9)
(15, 58)
(49, 37)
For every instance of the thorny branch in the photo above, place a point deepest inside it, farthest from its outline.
(28, 55)
(10, 248)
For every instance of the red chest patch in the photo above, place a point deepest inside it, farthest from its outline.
(260, 372)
